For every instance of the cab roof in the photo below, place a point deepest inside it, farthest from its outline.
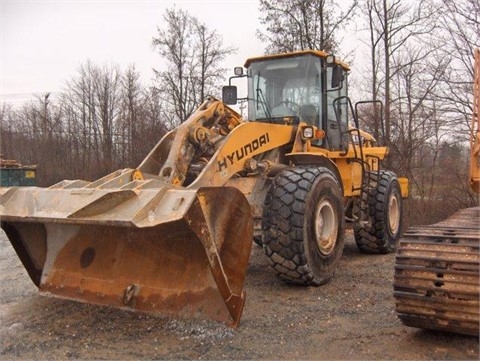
(317, 53)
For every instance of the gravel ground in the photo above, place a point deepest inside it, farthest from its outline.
(350, 318)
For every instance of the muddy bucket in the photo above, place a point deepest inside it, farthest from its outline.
(166, 250)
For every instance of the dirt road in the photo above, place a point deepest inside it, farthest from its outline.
(351, 318)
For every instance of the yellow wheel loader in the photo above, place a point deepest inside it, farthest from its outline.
(174, 235)
(436, 283)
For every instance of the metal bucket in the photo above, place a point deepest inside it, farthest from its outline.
(138, 246)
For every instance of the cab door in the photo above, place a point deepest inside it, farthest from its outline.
(337, 111)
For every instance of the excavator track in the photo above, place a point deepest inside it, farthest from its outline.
(436, 283)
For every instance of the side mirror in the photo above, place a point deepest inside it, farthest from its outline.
(337, 76)
(229, 94)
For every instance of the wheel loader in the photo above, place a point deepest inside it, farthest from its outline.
(174, 235)
(436, 282)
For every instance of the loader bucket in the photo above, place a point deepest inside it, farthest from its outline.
(160, 249)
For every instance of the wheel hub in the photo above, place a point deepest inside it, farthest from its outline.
(326, 227)
(393, 214)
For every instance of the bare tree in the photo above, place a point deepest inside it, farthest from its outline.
(209, 54)
(173, 46)
(140, 125)
(129, 122)
(92, 100)
(108, 98)
(7, 124)
(303, 24)
(153, 115)
(193, 54)
(392, 26)
(79, 102)
(459, 32)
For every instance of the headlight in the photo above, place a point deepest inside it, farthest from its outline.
(238, 70)
(308, 133)
(330, 59)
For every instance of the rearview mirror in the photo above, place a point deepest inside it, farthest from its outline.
(229, 94)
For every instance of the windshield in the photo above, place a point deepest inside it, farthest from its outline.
(285, 88)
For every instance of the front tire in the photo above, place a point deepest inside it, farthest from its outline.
(385, 215)
(304, 225)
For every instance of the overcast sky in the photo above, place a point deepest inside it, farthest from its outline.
(44, 42)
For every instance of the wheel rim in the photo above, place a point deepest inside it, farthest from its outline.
(393, 214)
(326, 227)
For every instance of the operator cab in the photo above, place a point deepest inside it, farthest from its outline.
(299, 87)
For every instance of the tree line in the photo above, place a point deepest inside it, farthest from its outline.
(417, 59)
(105, 118)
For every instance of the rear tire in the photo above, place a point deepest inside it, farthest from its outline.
(385, 213)
(304, 225)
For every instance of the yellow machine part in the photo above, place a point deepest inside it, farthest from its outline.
(164, 250)
(475, 134)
